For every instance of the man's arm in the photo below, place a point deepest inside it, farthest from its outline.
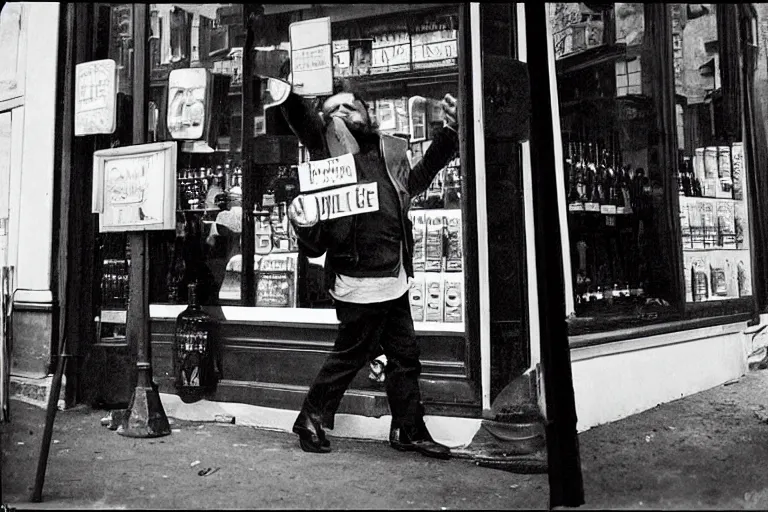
(305, 124)
(444, 145)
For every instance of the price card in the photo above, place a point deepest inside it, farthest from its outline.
(331, 172)
(346, 201)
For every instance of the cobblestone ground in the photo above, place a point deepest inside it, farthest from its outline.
(706, 451)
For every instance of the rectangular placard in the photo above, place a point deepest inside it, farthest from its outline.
(331, 172)
(349, 200)
(95, 93)
(311, 57)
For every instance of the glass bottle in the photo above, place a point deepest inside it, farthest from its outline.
(193, 361)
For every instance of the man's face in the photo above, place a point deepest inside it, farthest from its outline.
(344, 105)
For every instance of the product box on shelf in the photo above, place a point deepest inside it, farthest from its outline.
(711, 181)
(720, 276)
(418, 218)
(685, 225)
(453, 255)
(700, 278)
(416, 297)
(454, 302)
(726, 229)
(725, 181)
(276, 281)
(434, 241)
(741, 225)
(434, 297)
(743, 277)
(708, 223)
(737, 170)
(688, 264)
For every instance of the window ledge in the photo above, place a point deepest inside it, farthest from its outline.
(317, 318)
(589, 346)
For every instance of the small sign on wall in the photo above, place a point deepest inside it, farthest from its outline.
(95, 93)
(134, 187)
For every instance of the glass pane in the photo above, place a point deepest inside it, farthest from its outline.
(401, 67)
(195, 61)
(713, 194)
(614, 183)
(114, 40)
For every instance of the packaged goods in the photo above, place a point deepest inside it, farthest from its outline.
(699, 279)
(453, 255)
(744, 278)
(737, 170)
(710, 183)
(419, 240)
(454, 303)
(708, 223)
(275, 281)
(725, 181)
(719, 283)
(685, 226)
(688, 263)
(726, 229)
(434, 242)
(434, 298)
(417, 298)
(741, 226)
(698, 164)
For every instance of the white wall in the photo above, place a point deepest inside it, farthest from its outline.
(35, 213)
(616, 380)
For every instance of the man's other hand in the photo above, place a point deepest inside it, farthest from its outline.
(303, 211)
(449, 111)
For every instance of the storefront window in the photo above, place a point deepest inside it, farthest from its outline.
(713, 193)
(114, 40)
(401, 66)
(622, 170)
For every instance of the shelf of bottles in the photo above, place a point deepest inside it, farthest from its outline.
(608, 204)
(714, 224)
(209, 200)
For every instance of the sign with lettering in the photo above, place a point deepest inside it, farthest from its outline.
(134, 187)
(346, 201)
(95, 93)
(331, 172)
(311, 57)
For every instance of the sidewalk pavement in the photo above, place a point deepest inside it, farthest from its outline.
(706, 451)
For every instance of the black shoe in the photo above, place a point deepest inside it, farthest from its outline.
(311, 434)
(424, 444)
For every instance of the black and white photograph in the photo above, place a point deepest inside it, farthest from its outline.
(376, 256)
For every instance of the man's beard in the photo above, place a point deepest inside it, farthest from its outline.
(360, 129)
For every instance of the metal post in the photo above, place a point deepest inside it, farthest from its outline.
(566, 486)
(145, 416)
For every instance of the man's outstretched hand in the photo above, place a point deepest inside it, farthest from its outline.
(449, 111)
(303, 211)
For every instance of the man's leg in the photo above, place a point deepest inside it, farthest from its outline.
(408, 431)
(359, 330)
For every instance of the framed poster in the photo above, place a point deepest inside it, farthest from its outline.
(134, 187)
(95, 94)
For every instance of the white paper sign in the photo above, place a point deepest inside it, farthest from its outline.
(331, 172)
(95, 95)
(349, 200)
(311, 57)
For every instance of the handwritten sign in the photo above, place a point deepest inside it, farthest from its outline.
(95, 95)
(311, 57)
(331, 172)
(346, 201)
(134, 187)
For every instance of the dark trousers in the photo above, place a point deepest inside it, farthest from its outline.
(363, 328)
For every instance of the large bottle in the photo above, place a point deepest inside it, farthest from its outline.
(194, 351)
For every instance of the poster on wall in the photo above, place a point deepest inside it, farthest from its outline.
(95, 93)
(134, 187)
(311, 57)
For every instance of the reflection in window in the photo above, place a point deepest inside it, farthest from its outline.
(713, 197)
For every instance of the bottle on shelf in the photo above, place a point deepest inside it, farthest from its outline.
(194, 358)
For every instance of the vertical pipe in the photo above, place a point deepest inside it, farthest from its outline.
(480, 202)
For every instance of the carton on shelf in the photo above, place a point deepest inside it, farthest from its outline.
(416, 297)
(454, 302)
(434, 242)
(434, 298)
